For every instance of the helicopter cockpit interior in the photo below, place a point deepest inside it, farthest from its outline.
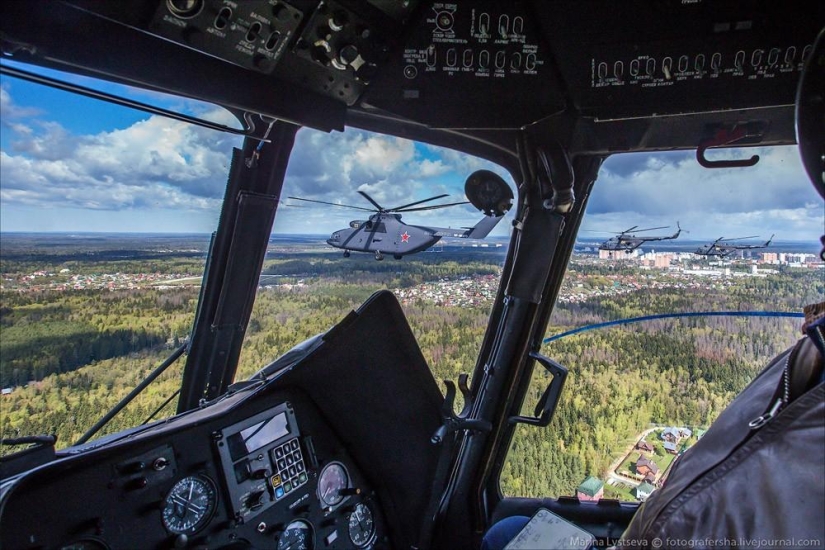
(305, 454)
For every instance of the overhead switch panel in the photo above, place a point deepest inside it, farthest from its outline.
(251, 34)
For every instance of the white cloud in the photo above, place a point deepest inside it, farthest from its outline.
(10, 110)
(429, 168)
(152, 163)
(775, 196)
(393, 171)
(158, 163)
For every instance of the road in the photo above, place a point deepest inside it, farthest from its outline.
(615, 476)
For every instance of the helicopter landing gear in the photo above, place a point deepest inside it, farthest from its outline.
(397, 256)
(346, 253)
(379, 256)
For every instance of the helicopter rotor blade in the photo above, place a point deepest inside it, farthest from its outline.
(433, 207)
(608, 232)
(739, 238)
(332, 204)
(375, 204)
(404, 207)
(650, 228)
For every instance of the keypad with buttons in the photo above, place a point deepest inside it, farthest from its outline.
(290, 471)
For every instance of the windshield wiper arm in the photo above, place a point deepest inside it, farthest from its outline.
(117, 100)
(132, 394)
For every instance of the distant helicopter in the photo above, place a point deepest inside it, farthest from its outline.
(385, 233)
(721, 247)
(630, 242)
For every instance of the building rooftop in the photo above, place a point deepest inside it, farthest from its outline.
(590, 486)
(644, 461)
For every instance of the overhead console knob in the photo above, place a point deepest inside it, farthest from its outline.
(338, 20)
(348, 54)
(184, 8)
(320, 52)
(338, 38)
(444, 20)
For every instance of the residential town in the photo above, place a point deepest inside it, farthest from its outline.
(64, 280)
(653, 270)
(645, 467)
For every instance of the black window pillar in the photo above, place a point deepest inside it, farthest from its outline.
(234, 264)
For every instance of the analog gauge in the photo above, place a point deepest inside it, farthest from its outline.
(298, 535)
(189, 505)
(361, 526)
(332, 480)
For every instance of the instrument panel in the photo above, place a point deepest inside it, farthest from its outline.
(258, 477)
(665, 58)
(324, 46)
(476, 66)
(485, 45)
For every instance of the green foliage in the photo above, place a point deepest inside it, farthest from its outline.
(621, 379)
(43, 333)
(33, 351)
(68, 404)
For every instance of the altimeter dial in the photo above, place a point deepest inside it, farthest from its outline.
(189, 505)
(361, 526)
(298, 535)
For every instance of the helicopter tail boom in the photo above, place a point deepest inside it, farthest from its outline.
(479, 231)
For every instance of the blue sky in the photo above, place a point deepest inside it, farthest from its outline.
(69, 163)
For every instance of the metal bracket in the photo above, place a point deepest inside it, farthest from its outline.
(453, 422)
(724, 137)
(546, 406)
(555, 174)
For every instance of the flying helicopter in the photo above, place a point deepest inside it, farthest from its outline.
(384, 232)
(379, 458)
(629, 242)
(722, 247)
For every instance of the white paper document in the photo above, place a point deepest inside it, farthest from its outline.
(547, 531)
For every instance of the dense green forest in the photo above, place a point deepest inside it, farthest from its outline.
(622, 380)
(46, 333)
(71, 355)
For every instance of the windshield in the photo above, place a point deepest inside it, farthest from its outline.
(106, 221)
(661, 237)
(105, 217)
(308, 284)
(106, 227)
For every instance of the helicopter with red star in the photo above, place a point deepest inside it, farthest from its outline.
(385, 233)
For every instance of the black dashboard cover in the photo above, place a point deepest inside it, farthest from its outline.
(372, 381)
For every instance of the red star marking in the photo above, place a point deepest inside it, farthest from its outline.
(405, 237)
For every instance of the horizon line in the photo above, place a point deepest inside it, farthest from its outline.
(585, 240)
